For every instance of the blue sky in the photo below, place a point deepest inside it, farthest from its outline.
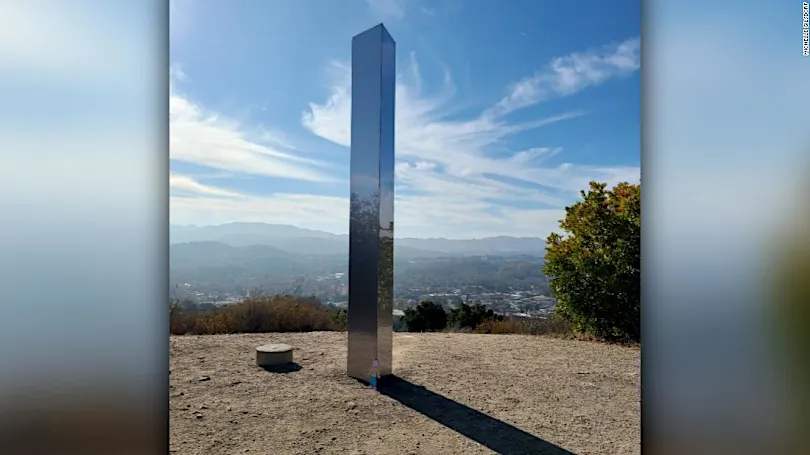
(504, 111)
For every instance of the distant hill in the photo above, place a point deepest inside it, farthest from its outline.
(311, 242)
(196, 254)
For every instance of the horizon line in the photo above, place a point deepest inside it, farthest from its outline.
(346, 233)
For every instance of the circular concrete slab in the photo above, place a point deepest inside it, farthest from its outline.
(274, 354)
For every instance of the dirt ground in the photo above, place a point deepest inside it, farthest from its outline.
(453, 394)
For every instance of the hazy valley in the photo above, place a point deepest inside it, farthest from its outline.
(223, 263)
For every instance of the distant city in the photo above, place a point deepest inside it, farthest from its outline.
(216, 265)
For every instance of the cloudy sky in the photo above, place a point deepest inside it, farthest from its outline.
(504, 111)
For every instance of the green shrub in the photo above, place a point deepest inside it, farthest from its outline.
(595, 268)
(425, 317)
(469, 316)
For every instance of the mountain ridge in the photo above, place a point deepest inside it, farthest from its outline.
(308, 241)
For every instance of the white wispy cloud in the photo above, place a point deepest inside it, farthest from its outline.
(192, 202)
(449, 182)
(572, 73)
(421, 132)
(208, 139)
(448, 164)
(332, 119)
(188, 184)
(419, 216)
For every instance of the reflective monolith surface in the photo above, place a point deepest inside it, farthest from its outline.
(371, 225)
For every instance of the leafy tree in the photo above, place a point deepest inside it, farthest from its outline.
(595, 268)
(425, 317)
(469, 316)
